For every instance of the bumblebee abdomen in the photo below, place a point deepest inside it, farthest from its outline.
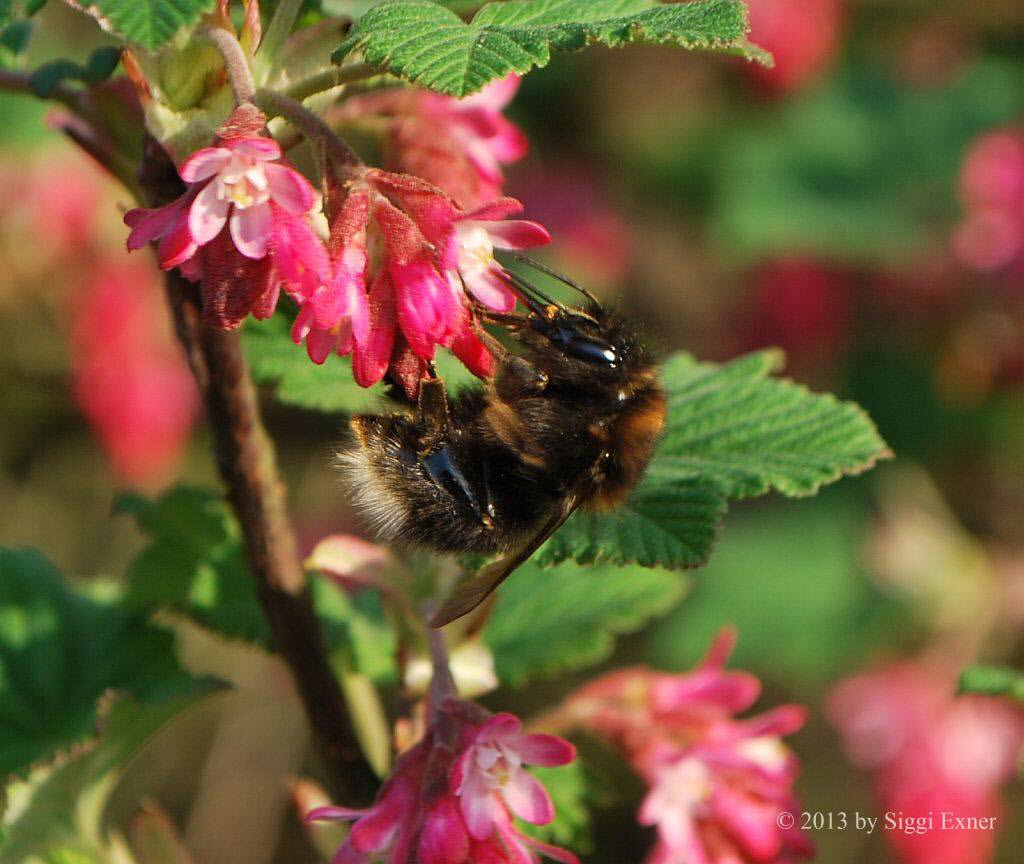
(454, 495)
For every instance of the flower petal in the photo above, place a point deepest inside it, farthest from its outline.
(250, 229)
(491, 289)
(177, 245)
(319, 345)
(543, 749)
(204, 163)
(260, 148)
(207, 215)
(444, 839)
(516, 233)
(477, 806)
(334, 814)
(370, 358)
(528, 799)
(492, 211)
(289, 188)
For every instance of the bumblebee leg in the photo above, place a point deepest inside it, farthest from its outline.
(432, 408)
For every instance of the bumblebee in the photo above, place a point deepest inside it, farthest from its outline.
(569, 422)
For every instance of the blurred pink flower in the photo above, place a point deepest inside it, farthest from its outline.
(803, 36)
(241, 226)
(458, 145)
(799, 304)
(451, 796)
(929, 753)
(717, 784)
(991, 236)
(130, 375)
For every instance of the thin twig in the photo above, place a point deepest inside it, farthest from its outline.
(248, 466)
(245, 457)
(235, 62)
(328, 79)
(276, 104)
(14, 81)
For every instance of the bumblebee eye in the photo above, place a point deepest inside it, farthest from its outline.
(582, 347)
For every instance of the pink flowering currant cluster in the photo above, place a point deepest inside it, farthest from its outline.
(458, 145)
(404, 267)
(717, 784)
(929, 753)
(452, 797)
(990, 239)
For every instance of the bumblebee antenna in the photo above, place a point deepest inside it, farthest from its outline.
(543, 268)
(531, 295)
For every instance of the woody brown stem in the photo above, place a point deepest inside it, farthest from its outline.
(247, 463)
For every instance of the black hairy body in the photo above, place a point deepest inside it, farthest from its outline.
(571, 421)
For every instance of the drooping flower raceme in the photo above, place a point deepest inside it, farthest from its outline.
(406, 263)
(458, 145)
(451, 797)
(718, 784)
(241, 227)
(930, 754)
(991, 236)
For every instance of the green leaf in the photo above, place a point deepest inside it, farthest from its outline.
(549, 620)
(429, 45)
(748, 432)
(669, 521)
(993, 681)
(732, 431)
(298, 381)
(18, 10)
(276, 360)
(567, 785)
(194, 563)
(788, 577)
(100, 66)
(58, 809)
(150, 23)
(60, 649)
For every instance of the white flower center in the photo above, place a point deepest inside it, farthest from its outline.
(243, 182)
(685, 785)
(767, 751)
(476, 252)
(497, 764)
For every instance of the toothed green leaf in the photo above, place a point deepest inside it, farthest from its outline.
(431, 46)
(150, 23)
(736, 425)
(60, 649)
(548, 620)
(732, 431)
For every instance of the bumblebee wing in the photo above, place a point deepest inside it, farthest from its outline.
(473, 591)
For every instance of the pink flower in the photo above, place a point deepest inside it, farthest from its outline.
(406, 264)
(130, 376)
(991, 237)
(237, 182)
(802, 35)
(458, 145)
(465, 763)
(930, 752)
(490, 774)
(717, 784)
(241, 226)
